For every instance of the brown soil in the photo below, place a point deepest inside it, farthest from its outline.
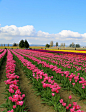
(2, 85)
(33, 102)
(64, 94)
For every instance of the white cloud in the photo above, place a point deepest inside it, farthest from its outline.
(21, 31)
(68, 33)
(41, 34)
(13, 34)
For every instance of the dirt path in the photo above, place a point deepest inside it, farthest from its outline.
(2, 84)
(32, 101)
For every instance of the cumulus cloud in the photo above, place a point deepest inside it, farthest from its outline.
(21, 31)
(68, 33)
(41, 34)
(13, 34)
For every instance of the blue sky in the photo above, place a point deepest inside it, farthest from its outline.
(42, 21)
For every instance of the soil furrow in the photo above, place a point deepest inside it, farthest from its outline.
(32, 101)
(2, 84)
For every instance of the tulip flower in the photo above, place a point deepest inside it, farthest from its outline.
(53, 94)
(70, 97)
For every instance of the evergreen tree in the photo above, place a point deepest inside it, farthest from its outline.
(21, 44)
(56, 43)
(26, 44)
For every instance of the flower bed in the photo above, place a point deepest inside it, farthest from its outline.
(70, 81)
(39, 79)
(14, 98)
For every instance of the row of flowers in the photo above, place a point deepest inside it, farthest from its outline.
(14, 97)
(73, 79)
(3, 53)
(65, 51)
(73, 62)
(65, 60)
(1, 50)
(62, 51)
(41, 77)
(78, 68)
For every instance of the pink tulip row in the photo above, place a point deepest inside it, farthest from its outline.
(66, 60)
(1, 50)
(39, 74)
(3, 53)
(15, 97)
(63, 60)
(51, 83)
(59, 70)
(76, 107)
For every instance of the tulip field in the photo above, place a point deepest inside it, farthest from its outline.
(59, 79)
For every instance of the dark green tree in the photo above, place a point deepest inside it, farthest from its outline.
(14, 44)
(26, 44)
(47, 45)
(77, 45)
(21, 44)
(56, 44)
(72, 45)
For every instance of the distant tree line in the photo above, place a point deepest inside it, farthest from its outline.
(74, 45)
(63, 45)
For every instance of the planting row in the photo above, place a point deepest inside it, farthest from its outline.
(66, 61)
(69, 81)
(47, 87)
(14, 98)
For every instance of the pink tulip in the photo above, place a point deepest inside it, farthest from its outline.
(74, 103)
(53, 94)
(10, 98)
(67, 107)
(19, 103)
(64, 104)
(23, 95)
(61, 101)
(11, 110)
(83, 87)
(14, 106)
(77, 107)
(70, 97)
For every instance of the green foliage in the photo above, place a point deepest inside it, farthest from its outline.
(14, 44)
(26, 44)
(47, 45)
(77, 45)
(56, 43)
(72, 45)
(23, 44)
